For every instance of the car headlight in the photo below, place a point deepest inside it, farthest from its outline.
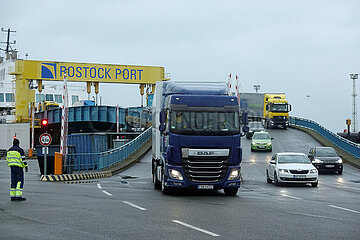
(235, 174)
(175, 174)
(283, 171)
(317, 161)
(339, 161)
(313, 171)
(268, 144)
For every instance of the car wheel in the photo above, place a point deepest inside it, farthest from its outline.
(340, 171)
(314, 184)
(252, 150)
(165, 190)
(276, 179)
(268, 180)
(156, 182)
(231, 191)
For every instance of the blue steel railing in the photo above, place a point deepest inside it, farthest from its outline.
(339, 141)
(102, 160)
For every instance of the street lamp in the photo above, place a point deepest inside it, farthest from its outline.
(257, 87)
(354, 76)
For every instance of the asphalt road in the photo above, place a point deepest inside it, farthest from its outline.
(126, 206)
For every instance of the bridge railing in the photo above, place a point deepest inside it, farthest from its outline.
(99, 161)
(339, 141)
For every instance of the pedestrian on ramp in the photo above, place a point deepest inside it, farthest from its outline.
(14, 158)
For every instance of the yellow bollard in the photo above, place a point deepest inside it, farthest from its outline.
(58, 163)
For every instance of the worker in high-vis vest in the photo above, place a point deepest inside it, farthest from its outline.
(14, 159)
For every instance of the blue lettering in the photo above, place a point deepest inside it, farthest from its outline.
(133, 73)
(99, 73)
(78, 72)
(71, 71)
(127, 74)
(92, 73)
(86, 71)
(107, 75)
(140, 74)
(62, 70)
(117, 72)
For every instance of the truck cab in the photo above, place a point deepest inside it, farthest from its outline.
(276, 110)
(196, 137)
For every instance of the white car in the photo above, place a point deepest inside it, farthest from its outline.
(291, 168)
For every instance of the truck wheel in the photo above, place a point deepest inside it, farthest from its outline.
(156, 182)
(231, 191)
(165, 190)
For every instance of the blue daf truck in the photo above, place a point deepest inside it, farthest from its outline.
(195, 137)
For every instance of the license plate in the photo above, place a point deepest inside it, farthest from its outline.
(299, 176)
(205, 186)
(262, 147)
(329, 166)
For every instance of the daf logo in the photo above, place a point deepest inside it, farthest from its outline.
(205, 153)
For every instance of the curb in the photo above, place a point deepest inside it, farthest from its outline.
(347, 157)
(121, 166)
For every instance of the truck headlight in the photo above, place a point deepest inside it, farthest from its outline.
(317, 161)
(339, 161)
(234, 174)
(175, 174)
(283, 171)
(313, 171)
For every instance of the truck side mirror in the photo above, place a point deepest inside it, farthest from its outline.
(290, 108)
(245, 119)
(162, 116)
(162, 127)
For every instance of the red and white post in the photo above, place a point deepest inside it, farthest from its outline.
(64, 120)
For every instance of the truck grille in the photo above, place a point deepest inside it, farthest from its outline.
(205, 169)
(299, 171)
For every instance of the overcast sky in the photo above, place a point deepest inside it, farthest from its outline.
(301, 48)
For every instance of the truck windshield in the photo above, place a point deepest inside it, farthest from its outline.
(204, 123)
(279, 108)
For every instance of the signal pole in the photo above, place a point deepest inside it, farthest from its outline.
(354, 76)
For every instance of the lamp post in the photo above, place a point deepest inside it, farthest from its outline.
(257, 87)
(354, 76)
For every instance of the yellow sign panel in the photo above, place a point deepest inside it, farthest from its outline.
(89, 72)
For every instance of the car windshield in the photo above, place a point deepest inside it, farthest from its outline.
(261, 136)
(279, 107)
(204, 123)
(326, 152)
(293, 159)
(255, 125)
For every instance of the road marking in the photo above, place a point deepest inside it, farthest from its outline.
(99, 186)
(284, 195)
(346, 209)
(196, 228)
(319, 216)
(135, 206)
(106, 193)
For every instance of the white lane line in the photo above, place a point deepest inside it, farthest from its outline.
(196, 228)
(320, 216)
(346, 209)
(284, 195)
(106, 193)
(99, 186)
(135, 206)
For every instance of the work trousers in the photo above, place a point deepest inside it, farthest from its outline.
(17, 182)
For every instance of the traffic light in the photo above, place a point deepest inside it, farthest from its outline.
(44, 124)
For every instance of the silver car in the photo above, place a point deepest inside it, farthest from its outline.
(291, 168)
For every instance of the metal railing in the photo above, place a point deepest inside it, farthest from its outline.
(339, 141)
(98, 161)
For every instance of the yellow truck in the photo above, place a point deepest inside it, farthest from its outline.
(270, 108)
(47, 105)
(276, 110)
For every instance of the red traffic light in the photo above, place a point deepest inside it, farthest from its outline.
(44, 122)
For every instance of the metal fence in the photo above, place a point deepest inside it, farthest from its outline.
(102, 160)
(341, 142)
